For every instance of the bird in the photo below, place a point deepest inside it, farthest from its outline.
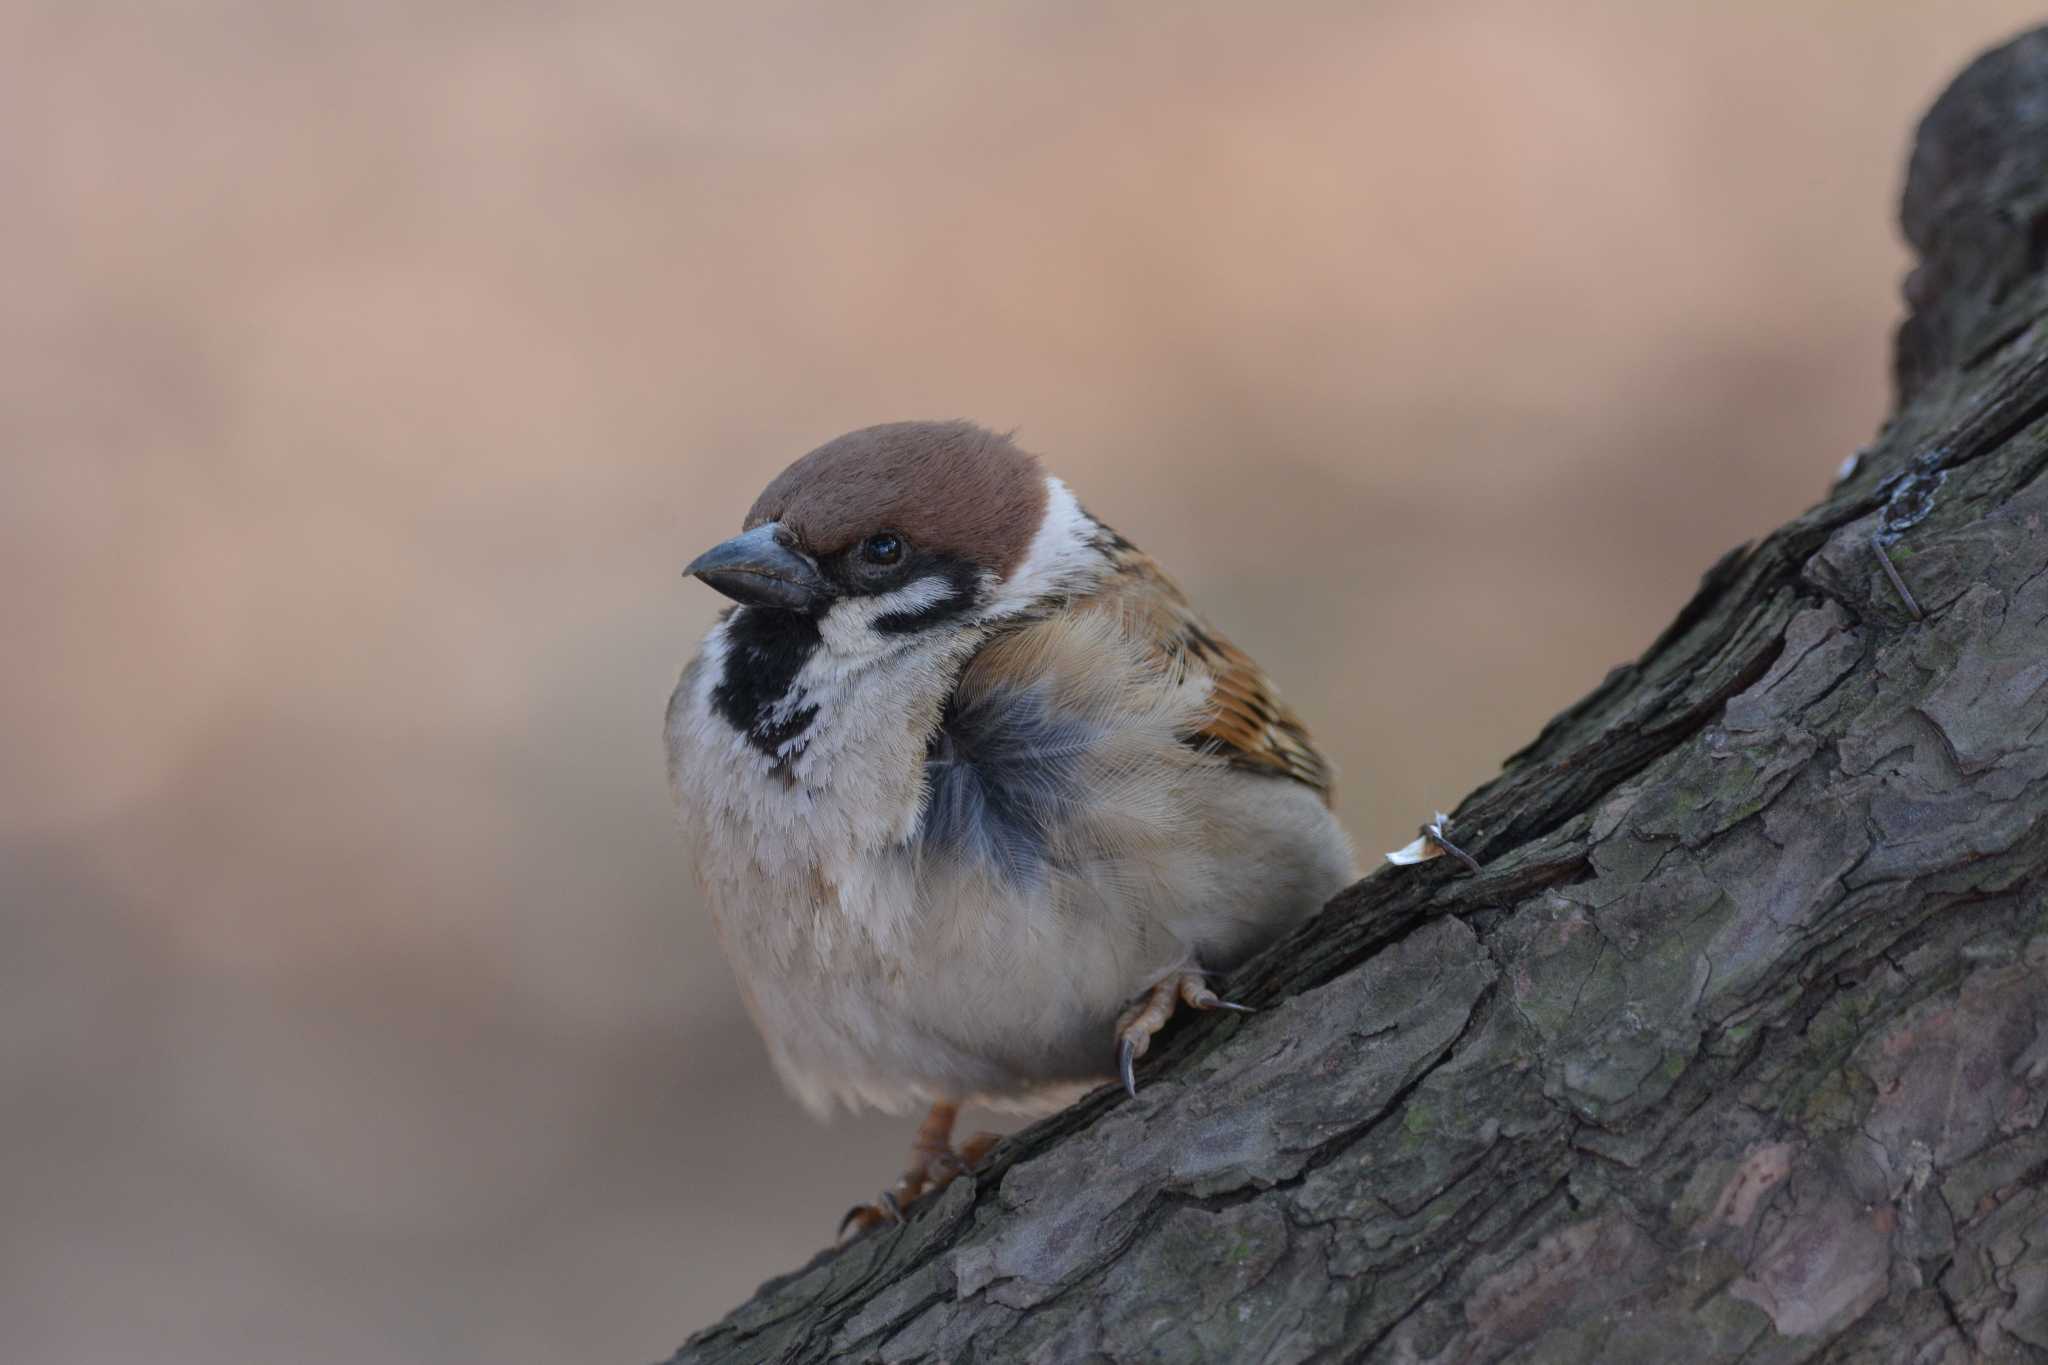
(975, 796)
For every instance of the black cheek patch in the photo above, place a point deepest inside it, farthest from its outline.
(963, 582)
(765, 650)
(1003, 772)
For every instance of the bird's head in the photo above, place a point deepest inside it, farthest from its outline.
(892, 531)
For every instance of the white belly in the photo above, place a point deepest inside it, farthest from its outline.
(880, 979)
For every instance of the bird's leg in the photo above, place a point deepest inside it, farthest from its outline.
(1136, 1025)
(933, 1165)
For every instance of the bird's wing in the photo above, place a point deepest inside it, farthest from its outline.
(1246, 722)
(1070, 734)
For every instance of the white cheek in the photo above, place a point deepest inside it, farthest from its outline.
(848, 629)
(1062, 555)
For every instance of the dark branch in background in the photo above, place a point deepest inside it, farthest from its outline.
(1738, 1047)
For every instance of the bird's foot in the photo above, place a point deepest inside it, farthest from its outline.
(1136, 1025)
(934, 1164)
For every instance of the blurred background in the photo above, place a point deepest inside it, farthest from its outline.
(369, 371)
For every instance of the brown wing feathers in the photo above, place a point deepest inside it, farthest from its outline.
(1248, 723)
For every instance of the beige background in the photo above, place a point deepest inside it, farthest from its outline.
(369, 370)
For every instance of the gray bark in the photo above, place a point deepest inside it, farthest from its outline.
(1738, 1048)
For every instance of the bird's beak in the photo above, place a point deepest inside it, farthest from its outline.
(759, 570)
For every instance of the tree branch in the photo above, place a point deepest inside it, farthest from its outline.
(1737, 1049)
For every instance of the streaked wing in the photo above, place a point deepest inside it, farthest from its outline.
(1248, 722)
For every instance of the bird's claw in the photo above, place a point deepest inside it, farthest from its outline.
(934, 1164)
(1145, 1018)
(887, 1208)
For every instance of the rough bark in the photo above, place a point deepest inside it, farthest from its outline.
(1738, 1048)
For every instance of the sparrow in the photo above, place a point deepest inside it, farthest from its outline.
(977, 799)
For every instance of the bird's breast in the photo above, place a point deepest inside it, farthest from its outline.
(802, 787)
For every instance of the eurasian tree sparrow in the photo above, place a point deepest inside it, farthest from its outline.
(975, 795)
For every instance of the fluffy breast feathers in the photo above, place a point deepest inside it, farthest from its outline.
(1062, 747)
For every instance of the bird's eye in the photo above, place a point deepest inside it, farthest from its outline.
(885, 547)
